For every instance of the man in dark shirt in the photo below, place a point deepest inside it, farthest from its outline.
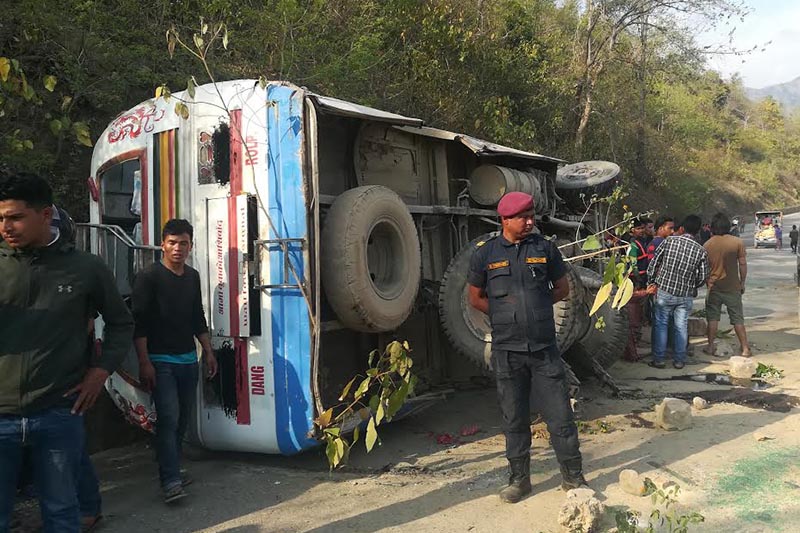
(168, 310)
(48, 292)
(793, 235)
(510, 279)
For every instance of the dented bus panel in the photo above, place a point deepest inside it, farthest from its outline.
(258, 171)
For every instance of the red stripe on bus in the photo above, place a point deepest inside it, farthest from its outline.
(242, 382)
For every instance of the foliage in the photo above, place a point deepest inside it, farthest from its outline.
(663, 513)
(377, 397)
(512, 71)
(768, 371)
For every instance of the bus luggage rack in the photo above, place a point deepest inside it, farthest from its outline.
(291, 278)
(121, 253)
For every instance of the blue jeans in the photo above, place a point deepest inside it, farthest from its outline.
(56, 440)
(678, 308)
(88, 488)
(174, 396)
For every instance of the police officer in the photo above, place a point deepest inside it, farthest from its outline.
(515, 278)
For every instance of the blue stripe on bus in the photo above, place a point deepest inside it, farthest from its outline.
(291, 332)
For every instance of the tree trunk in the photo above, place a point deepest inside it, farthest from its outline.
(640, 167)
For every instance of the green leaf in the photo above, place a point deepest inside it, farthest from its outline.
(324, 420)
(81, 131)
(395, 351)
(347, 388)
(610, 270)
(373, 403)
(356, 434)
(372, 434)
(262, 82)
(225, 39)
(372, 354)
(27, 143)
(190, 86)
(330, 452)
(624, 294)
(65, 102)
(592, 243)
(56, 126)
(334, 431)
(5, 68)
(50, 83)
(362, 388)
(600, 299)
(198, 41)
(396, 400)
(182, 110)
(379, 414)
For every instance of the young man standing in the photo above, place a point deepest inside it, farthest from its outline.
(48, 293)
(168, 310)
(515, 278)
(793, 235)
(638, 253)
(679, 267)
(728, 262)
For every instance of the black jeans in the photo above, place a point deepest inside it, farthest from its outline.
(541, 373)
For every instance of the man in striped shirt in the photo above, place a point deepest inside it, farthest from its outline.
(678, 268)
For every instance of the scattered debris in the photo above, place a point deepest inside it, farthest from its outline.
(468, 431)
(742, 367)
(673, 413)
(631, 482)
(539, 431)
(637, 421)
(446, 439)
(759, 436)
(581, 511)
(778, 403)
(699, 403)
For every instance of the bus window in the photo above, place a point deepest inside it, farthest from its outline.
(117, 190)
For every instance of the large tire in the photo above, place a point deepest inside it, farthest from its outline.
(606, 346)
(371, 264)
(469, 330)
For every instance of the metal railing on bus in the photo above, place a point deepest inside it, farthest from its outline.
(124, 256)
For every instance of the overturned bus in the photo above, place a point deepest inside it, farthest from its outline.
(323, 230)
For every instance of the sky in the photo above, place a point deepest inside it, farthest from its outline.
(770, 20)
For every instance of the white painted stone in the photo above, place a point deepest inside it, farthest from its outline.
(631, 482)
(673, 413)
(699, 403)
(581, 511)
(742, 367)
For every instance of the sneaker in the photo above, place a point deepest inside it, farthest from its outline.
(678, 364)
(174, 493)
(657, 364)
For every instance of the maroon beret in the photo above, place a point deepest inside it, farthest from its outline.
(514, 203)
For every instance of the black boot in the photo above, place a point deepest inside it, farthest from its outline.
(519, 483)
(572, 474)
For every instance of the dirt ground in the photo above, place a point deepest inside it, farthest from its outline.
(412, 482)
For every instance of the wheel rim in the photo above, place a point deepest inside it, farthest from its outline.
(385, 259)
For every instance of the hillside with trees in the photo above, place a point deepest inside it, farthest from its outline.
(622, 80)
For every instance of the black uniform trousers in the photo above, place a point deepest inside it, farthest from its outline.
(541, 373)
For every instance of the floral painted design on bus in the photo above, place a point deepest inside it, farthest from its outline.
(131, 125)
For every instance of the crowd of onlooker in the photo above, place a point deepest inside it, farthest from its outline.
(671, 261)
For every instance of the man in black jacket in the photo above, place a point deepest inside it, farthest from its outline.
(168, 309)
(48, 292)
